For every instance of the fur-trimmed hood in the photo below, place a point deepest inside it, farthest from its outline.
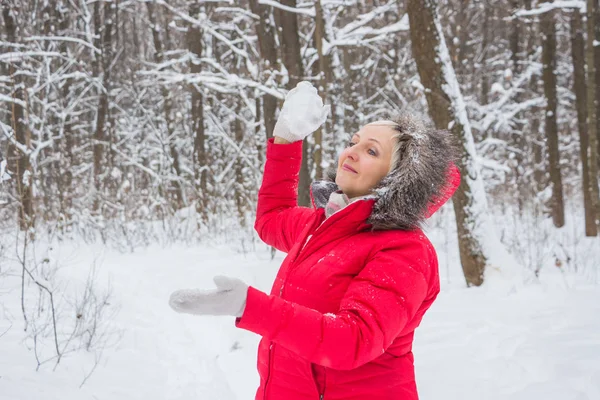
(423, 178)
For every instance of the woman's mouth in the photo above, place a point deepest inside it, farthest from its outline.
(349, 168)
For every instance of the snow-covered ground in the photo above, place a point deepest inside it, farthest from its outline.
(539, 340)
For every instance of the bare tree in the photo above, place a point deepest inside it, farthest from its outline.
(325, 83)
(592, 108)
(447, 109)
(517, 136)
(549, 75)
(66, 144)
(578, 55)
(265, 31)
(167, 101)
(20, 144)
(99, 134)
(195, 44)
(536, 142)
(58, 327)
(292, 59)
(597, 66)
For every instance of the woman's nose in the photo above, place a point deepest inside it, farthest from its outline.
(352, 154)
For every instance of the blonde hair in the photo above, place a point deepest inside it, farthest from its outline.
(396, 148)
(395, 151)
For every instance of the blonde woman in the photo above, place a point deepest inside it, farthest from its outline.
(359, 272)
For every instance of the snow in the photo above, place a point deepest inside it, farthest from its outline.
(64, 39)
(4, 175)
(309, 12)
(538, 341)
(554, 5)
(26, 178)
(541, 343)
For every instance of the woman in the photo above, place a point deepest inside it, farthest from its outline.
(359, 273)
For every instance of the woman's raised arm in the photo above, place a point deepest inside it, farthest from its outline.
(279, 219)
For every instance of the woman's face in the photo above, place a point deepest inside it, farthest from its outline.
(366, 159)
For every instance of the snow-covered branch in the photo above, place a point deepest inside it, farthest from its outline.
(9, 99)
(23, 55)
(218, 82)
(546, 7)
(7, 130)
(64, 39)
(303, 11)
(205, 25)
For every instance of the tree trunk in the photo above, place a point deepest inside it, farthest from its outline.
(597, 66)
(239, 187)
(515, 37)
(48, 177)
(195, 44)
(98, 147)
(107, 61)
(485, 85)
(536, 141)
(518, 128)
(326, 81)
(592, 109)
(552, 141)
(447, 109)
(168, 106)
(461, 32)
(69, 138)
(265, 32)
(578, 55)
(292, 59)
(20, 160)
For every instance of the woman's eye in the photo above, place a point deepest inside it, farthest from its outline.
(372, 152)
(350, 144)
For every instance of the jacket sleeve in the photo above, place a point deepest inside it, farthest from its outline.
(279, 219)
(377, 306)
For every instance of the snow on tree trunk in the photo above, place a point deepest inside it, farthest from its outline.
(481, 252)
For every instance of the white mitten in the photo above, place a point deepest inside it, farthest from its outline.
(302, 113)
(228, 299)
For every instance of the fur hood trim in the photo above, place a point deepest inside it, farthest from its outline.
(423, 178)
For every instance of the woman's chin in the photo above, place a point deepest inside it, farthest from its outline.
(340, 182)
(344, 188)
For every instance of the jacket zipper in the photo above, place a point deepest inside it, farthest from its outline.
(268, 372)
(322, 395)
(320, 389)
(309, 237)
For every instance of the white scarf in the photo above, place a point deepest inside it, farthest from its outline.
(338, 200)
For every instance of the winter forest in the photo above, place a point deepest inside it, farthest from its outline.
(132, 145)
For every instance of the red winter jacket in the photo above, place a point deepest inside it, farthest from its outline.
(340, 319)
